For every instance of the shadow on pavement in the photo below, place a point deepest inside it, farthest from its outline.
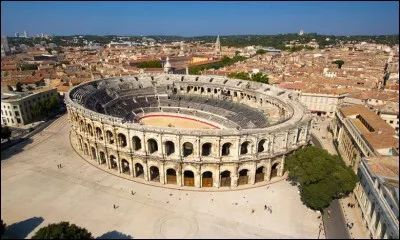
(20, 230)
(114, 235)
(19, 147)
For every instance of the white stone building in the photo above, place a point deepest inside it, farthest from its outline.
(16, 108)
(377, 196)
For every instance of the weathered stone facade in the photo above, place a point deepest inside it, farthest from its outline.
(195, 157)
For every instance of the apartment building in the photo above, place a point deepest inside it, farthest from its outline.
(359, 132)
(322, 102)
(16, 108)
(377, 196)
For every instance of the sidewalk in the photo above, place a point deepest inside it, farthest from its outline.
(352, 215)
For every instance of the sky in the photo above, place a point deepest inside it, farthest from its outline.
(199, 18)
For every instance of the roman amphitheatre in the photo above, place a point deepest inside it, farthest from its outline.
(187, 131)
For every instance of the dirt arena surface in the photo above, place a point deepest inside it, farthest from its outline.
(176, 121)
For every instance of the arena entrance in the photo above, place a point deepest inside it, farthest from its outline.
(274, 170)
(260, 173)
(171, 176)
(102, 158)
(225, 179)
(139, 170)
(154, 174)
(113, 162)
(207, 179)
(188, 178)
(243, 178)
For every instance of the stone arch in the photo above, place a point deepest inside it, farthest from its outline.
(225, 178)
(102, 158)
(99, 133)
(122, 140)
(169, 148)
(110, 137)
(86, 149)
(94, 154)
(152, 145)
(206, 149)
(139, 170)
(207, 179)
(154, 174)
(113, 162)
(90, 129)
(187, 148)
(261, 145)
(171, 176)
(245, 147)
(226, 149)
(188, 178)
(260, 174)
(82, 126)
(274, 169)
(125, 166)
(136, 143)
(243, 177)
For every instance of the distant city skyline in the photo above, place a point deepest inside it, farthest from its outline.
(199, 18)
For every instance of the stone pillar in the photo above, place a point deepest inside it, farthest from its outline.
(217, 178)
(197, 178)
(268, 170)
(179, 177)
(131, 168)
(146, 171)
(252, 176)
(234, 178)
(282, 167)
(119, 165)
(162, 174)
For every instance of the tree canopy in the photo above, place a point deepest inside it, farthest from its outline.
(62, 230)
(322, 176)
(45, 106)
(150, 64)
(2, 228)
(256, 77)
(5, 132)
(339, 63)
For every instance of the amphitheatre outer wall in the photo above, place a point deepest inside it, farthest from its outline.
(225, 157)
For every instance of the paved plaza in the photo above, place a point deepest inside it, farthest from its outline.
(34, 190)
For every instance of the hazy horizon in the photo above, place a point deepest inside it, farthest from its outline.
(195, 19)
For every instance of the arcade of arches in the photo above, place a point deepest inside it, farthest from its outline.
(187, 174)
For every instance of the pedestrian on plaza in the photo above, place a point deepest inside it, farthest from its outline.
(114, 206)
(265, 207)
(252, 210)
(349, 204)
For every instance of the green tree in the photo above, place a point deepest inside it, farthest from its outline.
(239, 75)
(19, 87)
(36, 110)
(150, 64)
(5, 133)
(339, 63)
(2, 228)
(322, 176)
(29, 67)
(260, 77)
(62, 230)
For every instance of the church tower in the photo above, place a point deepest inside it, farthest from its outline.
(217, 50)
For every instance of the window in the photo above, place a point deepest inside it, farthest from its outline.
(15, 107)
(16, 113)
(391, 122)
(18, 120)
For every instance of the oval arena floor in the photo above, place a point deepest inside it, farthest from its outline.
(175, 121)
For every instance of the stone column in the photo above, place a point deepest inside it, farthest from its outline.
(234, 178)
(146, 171)
(132, 168)
(197, 178)
(282, 167)
(252, 176)
(268, 170)
(217, 178)
(162, 174)
(179, 177)
(119, 165)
